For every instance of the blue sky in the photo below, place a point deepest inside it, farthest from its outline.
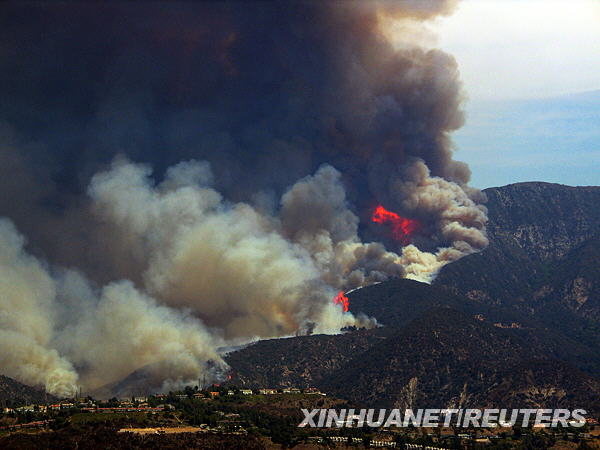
(531, 70)
(555, 139)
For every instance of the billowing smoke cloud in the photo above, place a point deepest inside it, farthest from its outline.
(274, 130)
(122, 330)
(27, 318)
(315, 215)
(454, 217)
(52, 324)
(226, 262)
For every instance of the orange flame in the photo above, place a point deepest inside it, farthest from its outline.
(402, 228)
(341, 299)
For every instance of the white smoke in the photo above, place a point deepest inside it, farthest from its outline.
(315, 215)
(453, 214)
(52, 325)
(226, 262)
(27, 318)
(123, 330)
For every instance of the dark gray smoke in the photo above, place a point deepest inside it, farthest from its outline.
(212, 168)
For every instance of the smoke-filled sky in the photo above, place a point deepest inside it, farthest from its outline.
(179, 177)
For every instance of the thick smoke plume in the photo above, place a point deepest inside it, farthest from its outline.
(226, 262)
(28, 317)
(192, 176)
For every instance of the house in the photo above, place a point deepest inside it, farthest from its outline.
(165, 407)
(230, 392)
(230, 422)
(28, 408)
(267, 391)
(246, 391)
(86, 404)
(140, 399)
(213, 394)
(313, 391)
(291, 390)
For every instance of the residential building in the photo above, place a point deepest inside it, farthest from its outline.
(291, 390)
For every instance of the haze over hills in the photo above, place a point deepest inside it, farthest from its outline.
(513, 326)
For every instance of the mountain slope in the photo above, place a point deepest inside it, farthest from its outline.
(542, 263)
(531, 226)
(426, 363)
(442, 358)
(13, 393)
(574, 282)
(301, 361)
(447, 359)
(546, 220)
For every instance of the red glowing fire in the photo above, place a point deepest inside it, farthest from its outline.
(402, 228)
(341, 299)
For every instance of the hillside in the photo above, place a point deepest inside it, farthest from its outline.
(443, 358)
(302, 361)
(546, 220)
(574, 282)
(446, 359)
(542, 264)
(429, 362)
(531, 227)
(13, 393)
